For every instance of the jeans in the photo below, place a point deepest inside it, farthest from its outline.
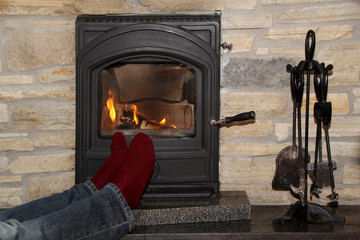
(81, 212)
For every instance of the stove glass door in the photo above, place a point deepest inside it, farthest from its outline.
(154, 96)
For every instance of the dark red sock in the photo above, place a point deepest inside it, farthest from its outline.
(135, 172)
(108, 170)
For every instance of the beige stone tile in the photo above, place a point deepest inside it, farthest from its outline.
(240, 42)
(45, 186)
(283, 131)
(279, 2)
(63, 7)
(17, 92)
(10, 197)
(43, 163)
(247, 21)
(345, 149)
(49, 114)
(345, 59)
(329, 32)
(262, 51)
(260, 195)
(4, 164)
(66, 140)
(252, 149)
(258, 128)
(339, 101)
(29, 49)
(264, 104)
(55, 74)
(4, 113)
(349, 194)
(9, 179)
(16, 79)
(351, 174)
(328, 13)
(191, 5)
(21, 145)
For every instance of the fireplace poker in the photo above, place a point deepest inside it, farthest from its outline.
(308, 66)
(326, 118)
(319, 172)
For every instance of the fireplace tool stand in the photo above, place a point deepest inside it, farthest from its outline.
(320, 173)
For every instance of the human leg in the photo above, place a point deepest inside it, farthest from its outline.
(99, 216)
(43, 206)
(104, 215)
(80, 191)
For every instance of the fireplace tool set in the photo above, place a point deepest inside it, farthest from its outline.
(293, 164)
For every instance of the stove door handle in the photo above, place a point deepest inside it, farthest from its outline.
(237, 118)
(241, 117)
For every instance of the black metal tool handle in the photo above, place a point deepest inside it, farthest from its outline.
(241, 117)
(310, 45)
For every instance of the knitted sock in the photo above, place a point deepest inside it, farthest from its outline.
(108, 170)
(135, 173)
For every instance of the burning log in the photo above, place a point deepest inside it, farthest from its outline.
(130, 120)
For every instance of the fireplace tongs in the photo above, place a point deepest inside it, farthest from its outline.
(237, 118)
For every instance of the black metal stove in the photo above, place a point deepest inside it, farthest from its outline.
(153, 74)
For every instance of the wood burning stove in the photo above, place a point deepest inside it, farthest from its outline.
(153, 74)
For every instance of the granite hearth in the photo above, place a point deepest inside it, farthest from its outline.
(262, 225)
(225, 206)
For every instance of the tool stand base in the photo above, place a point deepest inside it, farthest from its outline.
(309, 212)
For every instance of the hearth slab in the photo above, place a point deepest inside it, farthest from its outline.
(264, 224)
(223, 207)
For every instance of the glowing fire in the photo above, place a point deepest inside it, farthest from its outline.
(162, 122)
(134, 108)
(110, 106)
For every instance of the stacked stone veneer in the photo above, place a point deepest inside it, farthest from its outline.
(37, 89)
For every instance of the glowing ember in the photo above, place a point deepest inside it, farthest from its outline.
(110, 106)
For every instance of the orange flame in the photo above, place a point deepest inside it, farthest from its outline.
(134, 108)
(110, 106)
(162, 122)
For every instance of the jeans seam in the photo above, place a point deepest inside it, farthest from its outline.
(91, 187)
(106, 229)
(120, 196)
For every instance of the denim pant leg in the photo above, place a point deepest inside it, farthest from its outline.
(105, 215)
(44, 206)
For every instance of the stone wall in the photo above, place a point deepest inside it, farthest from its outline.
(37, 82)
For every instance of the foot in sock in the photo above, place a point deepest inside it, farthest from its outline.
(135, 172)
(108, 170)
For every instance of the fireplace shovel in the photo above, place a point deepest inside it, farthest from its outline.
(290, 160)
